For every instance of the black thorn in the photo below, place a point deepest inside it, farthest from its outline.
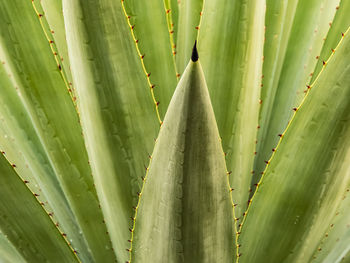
(194, 56)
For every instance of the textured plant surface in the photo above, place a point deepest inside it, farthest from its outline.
(116, 146)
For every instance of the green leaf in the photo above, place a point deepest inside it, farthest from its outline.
(8, 252)
(331, 218)
(115, 105)
(172, 12)
(335, 244)
(286, 81)
(185, 210)
(278, 25)
(174, 15)
(46, 98)
(231, 45)
(149, 25)
(25, 222)
(22, 147)
(304, 174)
(339, 25)
(188, 26)
(52, 10)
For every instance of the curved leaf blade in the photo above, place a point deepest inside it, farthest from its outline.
(48, 102)
(52, 10)
(289, 195)
(285, 84)
(22, 147)
(339, 25)
(335, 244)
(26, 224)
(185, 210)
(148, 21)
(232, 36)
(116, 108)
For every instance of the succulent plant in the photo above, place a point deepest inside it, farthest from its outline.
(175, 131)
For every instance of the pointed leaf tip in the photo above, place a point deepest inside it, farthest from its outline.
(189, 169)
(194, 56)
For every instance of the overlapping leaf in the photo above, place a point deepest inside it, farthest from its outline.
(115, 104)
(295, 33)
(306, 175)
(23, 149)
(25, 223)
(231, 45)
(38, 76)
(124, 58)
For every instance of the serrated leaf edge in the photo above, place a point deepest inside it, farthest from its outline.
(307, 91)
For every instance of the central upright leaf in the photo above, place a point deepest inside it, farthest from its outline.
(185, 213)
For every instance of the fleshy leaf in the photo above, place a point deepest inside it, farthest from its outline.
(338, 26)
(26, 224)
(188, 25)
(287, 74)
(231, 40)
(303, 173)
(148, 22)
(335, 242)
(185, 213)
(37, 74)
(116, 108)
(8, 252)
(22, 147)
(52, 10)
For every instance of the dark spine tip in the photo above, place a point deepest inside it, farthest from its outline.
(194, 56)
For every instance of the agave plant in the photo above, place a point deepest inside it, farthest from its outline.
(121, 141)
